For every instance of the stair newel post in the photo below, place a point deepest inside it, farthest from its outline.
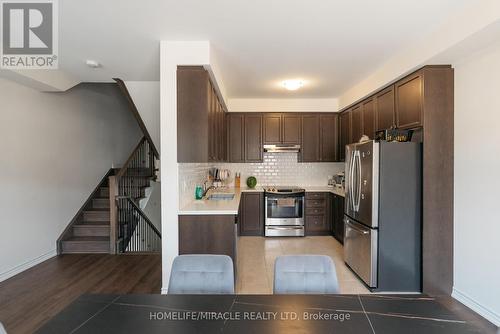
(113, 214)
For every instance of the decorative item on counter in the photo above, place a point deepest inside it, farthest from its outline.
(224, 174)
(218, 176)
(251, 182)
(394, 135)
(330, 180)
(237, 180)
(364, 138)
(198, 192)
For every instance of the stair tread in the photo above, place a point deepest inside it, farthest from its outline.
(97, 209)
(92, 223)
(86, 239)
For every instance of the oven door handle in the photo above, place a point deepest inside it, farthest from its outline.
(285, 228)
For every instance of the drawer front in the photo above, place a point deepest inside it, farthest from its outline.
(316, 195)
(360, 251)
(280, 231)
(316, 223)
(315, 203)
(312, 211)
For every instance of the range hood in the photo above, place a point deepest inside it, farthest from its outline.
(282, 148)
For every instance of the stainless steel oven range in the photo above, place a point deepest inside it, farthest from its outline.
(284, 211)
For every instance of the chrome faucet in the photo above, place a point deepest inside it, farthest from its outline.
(206, 188)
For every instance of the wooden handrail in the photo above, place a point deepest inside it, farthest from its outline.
(136, 114)
(125, 166)
(130, 182)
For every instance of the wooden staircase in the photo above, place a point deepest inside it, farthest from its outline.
(111, 220)
(90, 233)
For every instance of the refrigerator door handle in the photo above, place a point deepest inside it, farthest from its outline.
(359, 181)
(351, 179)
(357, 162)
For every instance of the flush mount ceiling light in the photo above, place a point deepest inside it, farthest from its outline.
(92, 63)
(292, 84)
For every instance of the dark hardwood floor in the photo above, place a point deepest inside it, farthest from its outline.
(29, 299)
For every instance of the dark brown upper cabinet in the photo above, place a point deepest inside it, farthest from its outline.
(384, 109)
(356, 123)
(310, 138)
(236, 139)
(408, 93)
(244, 133)
(253, 137)
(328, 137)
(368, 117)
(213, 119)
(344, 133)
(272, 128)
(200, 117)
(291, 128)
(281, 128)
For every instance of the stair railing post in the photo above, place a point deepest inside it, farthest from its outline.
(113, 214)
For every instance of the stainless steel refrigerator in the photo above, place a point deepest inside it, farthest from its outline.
(382, 215)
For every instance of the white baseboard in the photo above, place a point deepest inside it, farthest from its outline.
(476, 307)
(26, 265)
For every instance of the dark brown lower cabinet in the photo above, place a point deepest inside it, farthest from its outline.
(208, 234)
(317, 217)
(251, 214)
(338, 217)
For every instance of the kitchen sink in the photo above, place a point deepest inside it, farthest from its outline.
(220, 196)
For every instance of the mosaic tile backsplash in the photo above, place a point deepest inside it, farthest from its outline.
(276, 169)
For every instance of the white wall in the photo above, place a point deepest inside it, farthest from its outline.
(55, 147)
(146, 96)
(477, 184)
(473, 19)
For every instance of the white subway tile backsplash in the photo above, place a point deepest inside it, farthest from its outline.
(277, 169)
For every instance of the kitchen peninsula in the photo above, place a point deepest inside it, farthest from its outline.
(209, 226)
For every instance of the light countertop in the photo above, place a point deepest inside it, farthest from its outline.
(327, 189)
(217, 207)
(230, 207)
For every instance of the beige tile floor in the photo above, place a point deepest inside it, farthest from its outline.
(256, 257)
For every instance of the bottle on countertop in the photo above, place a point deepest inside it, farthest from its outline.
(198, 192)
(237, 180)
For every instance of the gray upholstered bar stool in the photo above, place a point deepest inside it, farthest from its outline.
(202, 274)
(2, 329)
(305, 274)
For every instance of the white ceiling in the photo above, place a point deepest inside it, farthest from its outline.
(331, 44)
